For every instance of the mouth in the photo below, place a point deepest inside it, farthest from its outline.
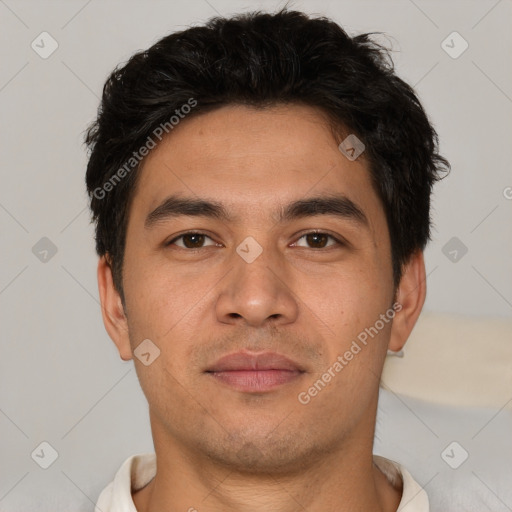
(257, 373)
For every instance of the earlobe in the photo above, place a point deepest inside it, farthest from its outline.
(112, 310)
(411, 295)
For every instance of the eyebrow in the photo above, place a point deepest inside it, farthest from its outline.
(336, 205)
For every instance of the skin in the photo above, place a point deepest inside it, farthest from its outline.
(219, 449)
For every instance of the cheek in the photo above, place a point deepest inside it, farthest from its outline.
(346, 298)
(169, 307)
(156, 298)
(348, 313)
(351, 376)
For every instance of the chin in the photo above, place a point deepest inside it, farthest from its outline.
(265, 454)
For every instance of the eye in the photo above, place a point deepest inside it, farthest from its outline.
(196, 240)
(191, 240)
(318, 240)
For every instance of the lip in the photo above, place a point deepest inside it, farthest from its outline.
(250, 361)
(255, 372)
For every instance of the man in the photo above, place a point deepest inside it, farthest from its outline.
(261, 189)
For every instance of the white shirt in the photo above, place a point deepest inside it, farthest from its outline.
(138, 470)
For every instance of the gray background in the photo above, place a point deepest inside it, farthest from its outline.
(61, 379)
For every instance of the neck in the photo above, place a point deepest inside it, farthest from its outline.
(344, 480)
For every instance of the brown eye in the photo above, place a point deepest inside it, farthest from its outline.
(191, 241)
(317, 240)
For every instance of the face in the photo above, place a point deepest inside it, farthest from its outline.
(256, 256)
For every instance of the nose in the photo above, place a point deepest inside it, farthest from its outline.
(257, 292)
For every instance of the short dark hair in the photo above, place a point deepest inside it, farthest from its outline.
(259, 59)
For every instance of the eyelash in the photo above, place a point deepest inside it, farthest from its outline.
(314, 232)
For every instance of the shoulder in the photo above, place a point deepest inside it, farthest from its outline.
(135, 472)
(414, 497)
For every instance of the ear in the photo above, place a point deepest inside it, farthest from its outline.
(411, 297)
(112, 310)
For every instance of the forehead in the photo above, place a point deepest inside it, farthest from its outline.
(253, 161)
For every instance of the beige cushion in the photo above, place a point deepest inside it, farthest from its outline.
(455, 360)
